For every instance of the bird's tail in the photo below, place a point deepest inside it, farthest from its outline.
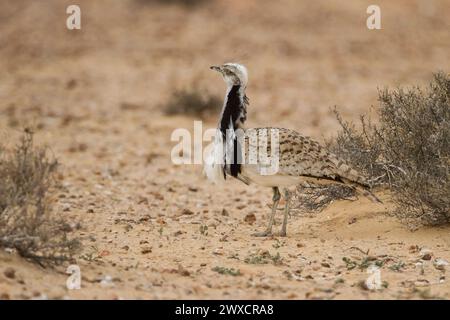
(362, 189)
(355, 180)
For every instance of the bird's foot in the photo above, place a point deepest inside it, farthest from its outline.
(266, 233)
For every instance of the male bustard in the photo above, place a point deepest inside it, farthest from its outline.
(300, 158)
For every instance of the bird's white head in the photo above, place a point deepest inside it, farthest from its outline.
(234, 74)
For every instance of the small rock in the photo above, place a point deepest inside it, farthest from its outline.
(250, 218)
(90, 211)
(107, 281)
(177, 233)
(182, 271)
(225, 212)
(10, 273)
(440, 264)
(104, 253)
(325, 265)
(142, 200)
(193, 189)
(146, 250)
(187, 212)
(425, 254)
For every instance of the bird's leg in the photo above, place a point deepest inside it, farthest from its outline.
(287, 196)
(276, 199)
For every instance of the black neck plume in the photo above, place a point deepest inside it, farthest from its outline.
(234, 112)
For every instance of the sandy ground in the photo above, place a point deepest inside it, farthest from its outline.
(95, 96)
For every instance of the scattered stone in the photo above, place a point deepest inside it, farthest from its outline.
(440, 264)
(106, 281)
(104, 253)
(426, 254)
(182, 271)
(187, 212)
(325, 265)
(250, 218)
(193, 189)
(177, 233)
(10, 273)
(90, 210)
(157, 195)
(419, 266)
(142, 200)
(146, 250)
(352, 220)
(225, 212)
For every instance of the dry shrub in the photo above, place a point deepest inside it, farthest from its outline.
(408, 150)
(27, 223)
(314, 197)
(192, 103)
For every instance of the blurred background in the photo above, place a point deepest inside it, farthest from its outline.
(304, 57)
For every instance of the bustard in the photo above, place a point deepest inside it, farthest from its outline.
(300, 158)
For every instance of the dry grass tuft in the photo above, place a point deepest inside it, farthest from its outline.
(27, 223)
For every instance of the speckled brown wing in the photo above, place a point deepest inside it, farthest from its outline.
(303, 156)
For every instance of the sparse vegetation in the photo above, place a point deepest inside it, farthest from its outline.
(203, 230)
(408, 150)
(92, 255)
(397, 267)
(227, 271)
(310, 198)
(27, 222)
(192, 103)
(264, 257)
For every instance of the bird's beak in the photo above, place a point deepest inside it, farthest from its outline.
(216, 68)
